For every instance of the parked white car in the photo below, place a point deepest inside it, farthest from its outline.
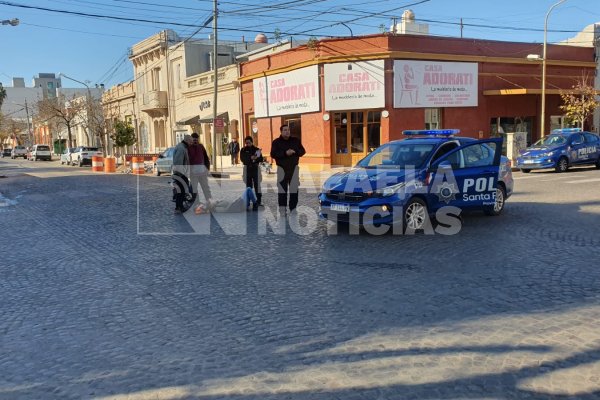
(40, 152)
(19, 151)
(66, 156)
(83, 155)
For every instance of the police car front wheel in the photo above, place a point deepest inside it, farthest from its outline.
(416, 215)
(562, 165)
(499, 203)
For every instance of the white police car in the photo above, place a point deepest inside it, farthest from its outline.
(560, 150)
(407, 181)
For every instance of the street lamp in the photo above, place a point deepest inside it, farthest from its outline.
(11, 22)
(89, 96)
(544, 56)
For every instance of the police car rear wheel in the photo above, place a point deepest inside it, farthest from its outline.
(525, 171)
(562, 165)
(498, 206)
(415, 215)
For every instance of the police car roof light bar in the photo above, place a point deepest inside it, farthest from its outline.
(567, 130)
(431, 132)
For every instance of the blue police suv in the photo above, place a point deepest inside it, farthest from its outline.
(429, 173)
(560, 150)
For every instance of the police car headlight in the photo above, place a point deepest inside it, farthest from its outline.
(390, 190)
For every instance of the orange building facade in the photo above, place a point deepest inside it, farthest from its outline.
(344, 97)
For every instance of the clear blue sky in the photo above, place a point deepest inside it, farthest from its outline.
(94, 48)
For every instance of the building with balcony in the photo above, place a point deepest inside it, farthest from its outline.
(173, 86)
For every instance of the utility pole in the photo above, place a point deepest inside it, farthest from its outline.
(28, 126)
(216, 85)
(461, 28)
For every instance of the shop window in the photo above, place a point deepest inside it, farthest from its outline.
(341, 133)
(559, 122)
(373, 130)
(433, 118)
(357, 142)
(499, 126)
(293, 121)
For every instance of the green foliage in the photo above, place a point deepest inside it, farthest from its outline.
(277, 35)
(123, 135)
(2, 94)
(312, 43)
(579, 103)
(382, 28)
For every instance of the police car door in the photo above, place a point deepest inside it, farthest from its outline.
(467, 176)
(577, 147)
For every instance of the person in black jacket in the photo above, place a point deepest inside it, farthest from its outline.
(286, 151)
(251, 157)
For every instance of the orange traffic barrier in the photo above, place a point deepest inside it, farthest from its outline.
(110, 164)
(137, 165)
(97, 164)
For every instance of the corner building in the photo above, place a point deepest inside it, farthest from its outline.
(344, 97)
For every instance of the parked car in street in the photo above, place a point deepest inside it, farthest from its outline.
(82, 155)
(407, 181)
(40, 152)
(66, 156)
(18, 151)
(6, 152)
(164, 163)
(560, 150)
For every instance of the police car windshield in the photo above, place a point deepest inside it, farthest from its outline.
(551, 140)
(398, 155)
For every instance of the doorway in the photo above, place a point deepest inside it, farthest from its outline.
(354, 135)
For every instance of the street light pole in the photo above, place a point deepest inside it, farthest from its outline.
(216, 85)
(544, 56)
(88, 100)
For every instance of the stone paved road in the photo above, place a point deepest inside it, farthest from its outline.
(509, 308)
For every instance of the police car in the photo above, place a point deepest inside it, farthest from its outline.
(560, 150)
(407, 181)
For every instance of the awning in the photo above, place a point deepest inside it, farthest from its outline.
(209, 120)
(505, 92)
(189, 120)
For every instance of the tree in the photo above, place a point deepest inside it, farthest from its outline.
(123, 135)
(2, 95)
(94, 123)
(11, 128)
(580, 102)
(62, 111)
(277, 35)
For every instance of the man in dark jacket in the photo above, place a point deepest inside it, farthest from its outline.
(199, 167)
(234, 150)
(181, 171)
(286, 151)
(251, 157)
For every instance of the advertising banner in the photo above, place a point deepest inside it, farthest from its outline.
(293, 92)
(434, 84)
(354, 86)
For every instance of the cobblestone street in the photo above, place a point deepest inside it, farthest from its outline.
(103, 299)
